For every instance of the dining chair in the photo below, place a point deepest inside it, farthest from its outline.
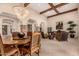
(7, 50)
(15, 35)
(34, 46)
(61, 35)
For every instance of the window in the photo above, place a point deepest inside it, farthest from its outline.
(29, 27)
(4, 29)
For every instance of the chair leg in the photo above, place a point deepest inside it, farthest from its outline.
(18, 50)
(38, 52)
(30, 54)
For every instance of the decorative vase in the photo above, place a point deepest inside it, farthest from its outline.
(21, 35)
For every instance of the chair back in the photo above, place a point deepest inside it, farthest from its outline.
(15, 35)
(65, 35)
(29, 34)
(61, 36)
(35, 41)
(1, 46)
(58, 35)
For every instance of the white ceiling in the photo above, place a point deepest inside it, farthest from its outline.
(9, 4)
(49, 13)
(67, 7)
(39, 7)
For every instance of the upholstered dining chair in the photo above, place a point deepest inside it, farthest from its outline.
(34, 46)
(15, 35)
(61, 35)
(7, 51)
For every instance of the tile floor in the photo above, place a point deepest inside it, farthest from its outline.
(59, 48)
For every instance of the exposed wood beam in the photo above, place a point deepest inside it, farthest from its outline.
(59, 5)
(63, 12)
(45, 10)
(26, 4)
(53, 7)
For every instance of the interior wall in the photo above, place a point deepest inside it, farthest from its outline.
(39, 19)
(72, 16)
(78, 18)
(32, 15)
(5, 7)
(0, 26)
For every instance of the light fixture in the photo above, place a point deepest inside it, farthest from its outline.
(21, 12)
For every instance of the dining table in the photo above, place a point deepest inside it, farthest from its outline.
(16, 42)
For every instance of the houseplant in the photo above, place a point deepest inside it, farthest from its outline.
(71, 30)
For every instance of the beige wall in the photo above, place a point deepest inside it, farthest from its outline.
(72, 16)
(16, 25)
(38, 18)
(0, 26)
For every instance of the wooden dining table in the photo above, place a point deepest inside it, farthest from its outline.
(16, 42)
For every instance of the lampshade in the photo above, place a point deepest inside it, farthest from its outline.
(21, 12)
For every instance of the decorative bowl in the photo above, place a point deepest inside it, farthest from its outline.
(21, 35)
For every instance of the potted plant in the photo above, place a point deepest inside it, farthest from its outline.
(71, 30)
(72, 35)
(70, 22)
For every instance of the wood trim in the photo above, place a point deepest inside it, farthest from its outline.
(53, 7)
(63, 13)
(59, 5)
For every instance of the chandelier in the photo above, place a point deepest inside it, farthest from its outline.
(21, 12)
